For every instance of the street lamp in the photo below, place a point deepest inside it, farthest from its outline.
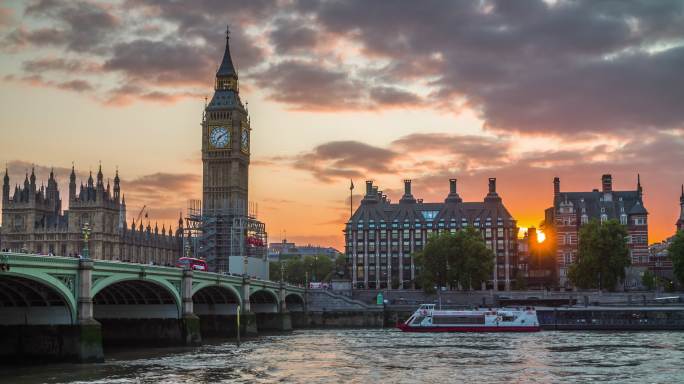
(86, 236)
(315, 268)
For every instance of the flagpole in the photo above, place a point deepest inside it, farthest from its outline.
(351, 198)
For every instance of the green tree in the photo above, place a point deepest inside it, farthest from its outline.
(318, 267)
(455, 259)
(341, 267)
(602, 255)
(676, 253)
(648, 280)
(520, 281)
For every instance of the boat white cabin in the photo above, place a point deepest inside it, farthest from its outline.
(429, 319)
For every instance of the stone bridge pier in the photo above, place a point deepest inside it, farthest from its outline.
(49, 318)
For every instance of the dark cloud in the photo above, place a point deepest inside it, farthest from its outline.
(167, 62)
(293, 36)
(308, 85)
(81, 26)
(567, 68)
(562, 68)
(344, 159)
(60, 65)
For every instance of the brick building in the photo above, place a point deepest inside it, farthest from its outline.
(382, 237)
(535, 263)
(573, 209)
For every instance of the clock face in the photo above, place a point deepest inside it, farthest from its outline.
(219, 137)
(244, 140)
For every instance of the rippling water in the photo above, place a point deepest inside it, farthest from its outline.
(388, 356)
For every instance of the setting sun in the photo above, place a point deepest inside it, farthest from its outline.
(540, 236)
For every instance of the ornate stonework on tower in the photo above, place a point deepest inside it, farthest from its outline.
(231, 239)
(33, 221)
(225, 144)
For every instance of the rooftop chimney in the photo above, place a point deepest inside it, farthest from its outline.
(492, 196)
(369, 187)
(556, 188)
(408, 197)
(607, 183)
(453, 196)
(407, 187)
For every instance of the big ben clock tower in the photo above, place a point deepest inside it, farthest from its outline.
(225, 145)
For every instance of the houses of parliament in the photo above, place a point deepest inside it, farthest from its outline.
(33, 221)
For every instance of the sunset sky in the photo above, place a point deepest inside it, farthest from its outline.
(384, 90)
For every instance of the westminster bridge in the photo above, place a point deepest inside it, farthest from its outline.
(62, 308)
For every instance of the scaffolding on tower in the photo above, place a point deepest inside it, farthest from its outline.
(218, 235)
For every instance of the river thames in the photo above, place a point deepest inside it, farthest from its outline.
(388, 356)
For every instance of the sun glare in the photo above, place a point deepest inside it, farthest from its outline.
(540, 236)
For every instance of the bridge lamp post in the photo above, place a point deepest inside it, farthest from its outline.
(86, 236)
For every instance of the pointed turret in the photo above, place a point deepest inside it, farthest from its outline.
(5, 187)
(33, 177)
(226, 76)
(72, 184)
(640, 191)
(117, 186)
(90, 179)
(100, 188)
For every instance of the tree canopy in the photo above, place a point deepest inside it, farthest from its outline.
(602, 255)
(676, 253)
(455, 259)
(319, 268)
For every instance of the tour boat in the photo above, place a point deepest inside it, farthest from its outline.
(429, 319)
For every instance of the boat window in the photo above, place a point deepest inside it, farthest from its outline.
(458, 320)
(418, 319)
(508, 318)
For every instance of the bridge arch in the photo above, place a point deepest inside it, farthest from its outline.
(215, 299)
(263, 300)
(294, 302)
(36, 299)
(119, 296)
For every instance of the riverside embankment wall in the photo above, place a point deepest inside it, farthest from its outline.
(590, 310)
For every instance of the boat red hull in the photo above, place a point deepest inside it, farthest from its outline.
(408, 328)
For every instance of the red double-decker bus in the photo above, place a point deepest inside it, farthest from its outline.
(192, 263)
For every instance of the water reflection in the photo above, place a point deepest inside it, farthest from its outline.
(363, 356)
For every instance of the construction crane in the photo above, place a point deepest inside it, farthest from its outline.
(142, 210)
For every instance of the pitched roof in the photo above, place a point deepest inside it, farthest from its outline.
(378, 210)
(612, 204)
